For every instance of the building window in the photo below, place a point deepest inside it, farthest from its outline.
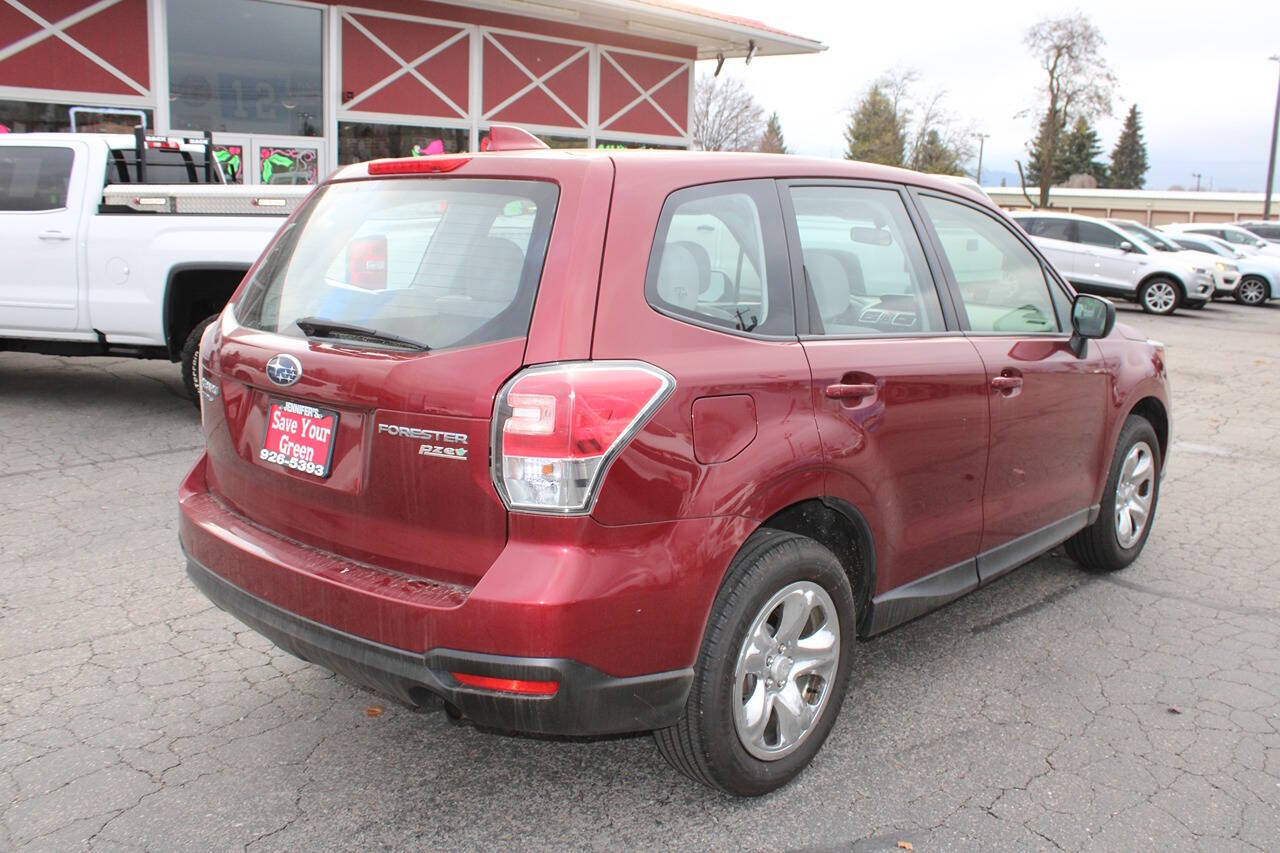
(37, 117)
(246, 66)
(625, 143)
(360, 141)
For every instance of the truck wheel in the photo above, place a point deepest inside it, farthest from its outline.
(1128, 503)
(188, 360)
(1251, 291)
(1159, 296)
(773, 668)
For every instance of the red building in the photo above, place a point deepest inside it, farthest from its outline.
(292, 89)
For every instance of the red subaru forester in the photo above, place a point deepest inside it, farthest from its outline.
(584, 442)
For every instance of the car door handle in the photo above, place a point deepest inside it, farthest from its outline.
(840, 391)
(54, 235)
(1006, 383)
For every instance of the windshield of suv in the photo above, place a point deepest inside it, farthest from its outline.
(438, 262)
(1146, 235)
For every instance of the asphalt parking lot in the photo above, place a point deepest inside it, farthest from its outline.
(1053, 709)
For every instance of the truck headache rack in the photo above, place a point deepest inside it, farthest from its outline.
(142, 143)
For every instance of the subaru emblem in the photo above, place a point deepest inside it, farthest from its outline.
(284, 369)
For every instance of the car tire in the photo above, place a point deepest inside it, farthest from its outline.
(1160, 295)
(188, 360)
(1133, 482)
(1251, 291)
(716, 741)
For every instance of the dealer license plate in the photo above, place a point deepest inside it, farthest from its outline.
(300, 437)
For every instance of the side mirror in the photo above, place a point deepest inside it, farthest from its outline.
(1126, 246)
(1091, 317)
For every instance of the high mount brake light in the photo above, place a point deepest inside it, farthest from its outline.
(418, 165)
(557, 427)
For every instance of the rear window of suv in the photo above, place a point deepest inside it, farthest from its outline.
(441, 262)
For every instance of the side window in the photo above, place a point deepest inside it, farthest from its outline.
(34, 178)
(1002, 284)
(1238, 238)
(865, 269)
(717, 260)
(1058, 229)
(1097, 235)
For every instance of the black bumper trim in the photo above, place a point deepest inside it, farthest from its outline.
(588, 702)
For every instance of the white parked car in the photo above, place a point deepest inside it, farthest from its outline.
(1259, 274)
(1222, 270)
(1097, 257)
(123, 245)
(1245, 241)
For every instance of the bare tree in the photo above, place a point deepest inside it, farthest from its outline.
(942, 143)
(1078, 83)
(726, 117)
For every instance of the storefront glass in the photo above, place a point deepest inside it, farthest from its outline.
(246, 66)
(359, 141)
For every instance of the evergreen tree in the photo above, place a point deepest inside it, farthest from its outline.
(1079, 152)
(876, 131)
(1129, 159)
(1047, 138)
(772, 142)
(935, 157)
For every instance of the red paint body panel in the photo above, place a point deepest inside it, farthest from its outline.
(912, 456)
(425, 556)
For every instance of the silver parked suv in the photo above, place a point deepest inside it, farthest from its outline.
(1097, 257)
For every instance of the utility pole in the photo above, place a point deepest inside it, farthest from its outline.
(1196, 175)
(982, 141)
(1271, 159)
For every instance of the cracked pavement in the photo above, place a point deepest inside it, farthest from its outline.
(1053, 709)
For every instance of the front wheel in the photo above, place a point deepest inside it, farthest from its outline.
(1128, 503)
(773, 668)
(1159, 296)
(1251, 291)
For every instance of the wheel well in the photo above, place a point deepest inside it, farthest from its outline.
(840, 528)
(1154, 412)
(192, 294)
(1182, 288)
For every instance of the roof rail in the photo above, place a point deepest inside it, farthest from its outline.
(508, 137)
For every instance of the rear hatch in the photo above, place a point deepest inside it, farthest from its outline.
(358, 380)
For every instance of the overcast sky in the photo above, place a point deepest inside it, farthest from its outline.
(1198, 73)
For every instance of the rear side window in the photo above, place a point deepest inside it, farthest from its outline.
(1052, 229)
(716, 259)
(865, 269)
(34, 178)
(440, 262)
(1002, 284)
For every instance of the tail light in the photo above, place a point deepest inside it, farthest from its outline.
(557, 427)
(367, 262)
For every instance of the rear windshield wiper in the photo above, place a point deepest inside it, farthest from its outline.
(318, 327)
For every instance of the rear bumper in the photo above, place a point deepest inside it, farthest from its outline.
(587, 702)
(615, 615)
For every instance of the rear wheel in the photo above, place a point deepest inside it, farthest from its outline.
(1159, 296)
(189, 360)
(772, 671)
(1128, 504)
(1251, 291)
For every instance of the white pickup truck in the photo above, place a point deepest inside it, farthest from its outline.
(123, 245)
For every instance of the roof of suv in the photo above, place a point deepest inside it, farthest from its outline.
(697, 167)
(1026, 214)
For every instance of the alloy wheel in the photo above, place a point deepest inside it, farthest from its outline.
(1252, 291)
(1160, 297)
(787, 663)
(1135, 489)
